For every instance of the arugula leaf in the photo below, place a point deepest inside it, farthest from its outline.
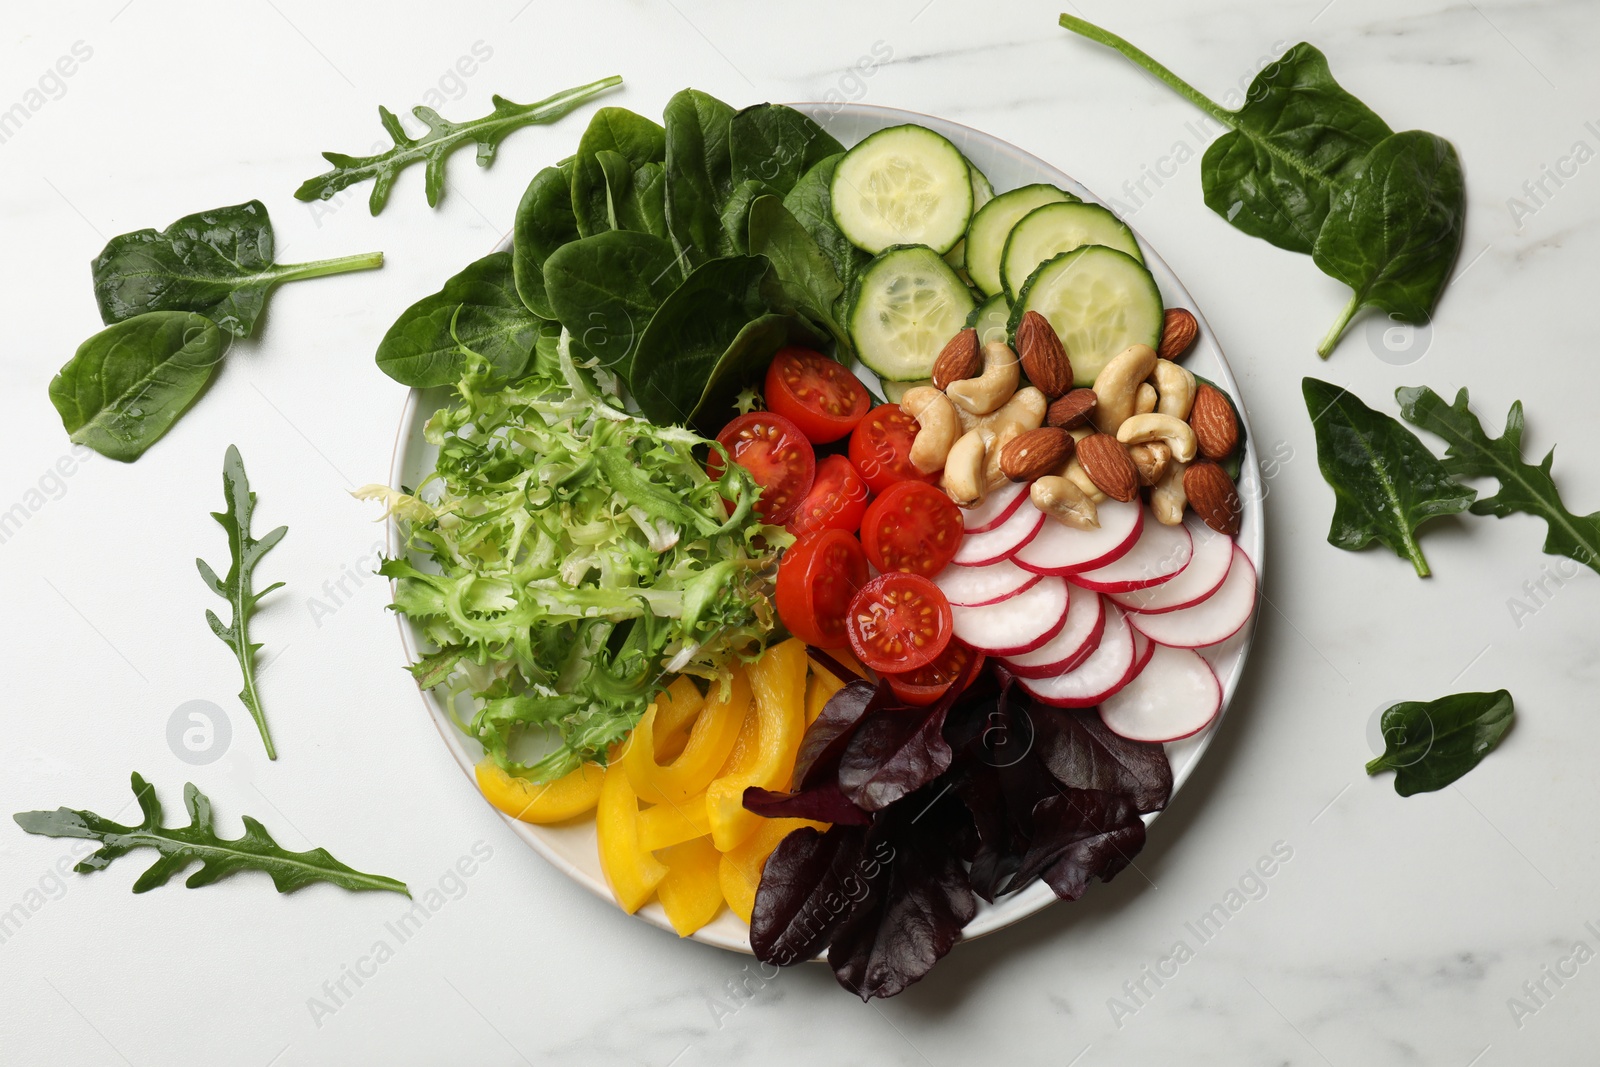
(198, 842)
(1429, 745)
(543, 224)
(604, 290)
(477, 311)
(1530, 489)
(125, 386)
(619, 133)
(245, 552)
(776, 144)
(699, 174)
(435, 146)
(218, 263)
(1385, 483)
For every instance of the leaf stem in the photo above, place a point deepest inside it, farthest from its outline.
(1414, 554)
(294, 272)
(1149, 63)
(1331, 341)
(248, 695)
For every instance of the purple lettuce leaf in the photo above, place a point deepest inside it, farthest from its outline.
(1079, 835)
(810, 883)
(1081, 753)
(894, 752)
(824, 803)
(825, 739)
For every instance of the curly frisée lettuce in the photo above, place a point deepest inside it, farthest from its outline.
(580, 557)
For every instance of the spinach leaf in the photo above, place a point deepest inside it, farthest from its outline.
(636, 198)
(477, 311)
(127, 385)
(435, 146)
(217, 263)
(743, 365)
(699, 174)
(776, 144)
(1394, 231)
(1385, 483)
(1429, 745)
(811, 203)
(1524, 487)
(543, 224)
(807, 277)
(736, 213)
(621, 132)
(605, 288)
(198, 842)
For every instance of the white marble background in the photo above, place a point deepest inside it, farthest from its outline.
(1397, 931)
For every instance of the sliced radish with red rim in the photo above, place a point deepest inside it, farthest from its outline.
(982, 549)
(1097, 677)
(1079, 637)
(1216, 618)
(1175, 696)
(1063, 549)
(973, 587)
(1208, 566)
(996, 508)
(1018, 624)
(1161, 554)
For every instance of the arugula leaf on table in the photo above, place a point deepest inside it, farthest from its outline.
(125, 386)
(198, 842)
(699, 174)
(1524, 487)
(1429, 745)
(1385, 483)
(544, 223)
(477, 311)
(776, 144)
(604, 290)
(632, 141)
(218, 263)
(435, 146)
(237, 588)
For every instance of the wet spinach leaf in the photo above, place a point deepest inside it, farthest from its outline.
(699, 174)
(605, 289)
(477, 311)
(543, 224)
(1431, 744)
(775, 144)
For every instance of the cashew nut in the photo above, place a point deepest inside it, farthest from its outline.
(1176, 386)
(1023, 412)
(1154, 426)
(1151, 459)
(937, 426)
(1074, 473)
(963, 468)
(1116, 388)
(1065, 502)
(1144, 401)
(994, 386)
(1167, 498)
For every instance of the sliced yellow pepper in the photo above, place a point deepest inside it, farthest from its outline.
(630, 869)
(819, 690)
(713, 737)
(740, 870)
(777, 681)
(691, 892)
(666, 825)
(541, 802)
(676, 709)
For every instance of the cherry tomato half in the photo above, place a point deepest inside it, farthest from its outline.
(912, 527)
(816, 393)
(817, 580)
(880, 447)
(776, 454)
(957, 667)
(898, 622)
(837, 500)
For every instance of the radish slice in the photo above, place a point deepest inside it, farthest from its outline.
(973, 587)
(1061, 549)
(1216, 618)
(982, 549)
(1018, 624)
(1143, 649)
(1160, 555)
(1103, 673)
(1208, 566)
(996, 508)
(1176, 695)
(1079, 637)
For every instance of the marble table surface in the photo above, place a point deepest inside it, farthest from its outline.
(1450, 929)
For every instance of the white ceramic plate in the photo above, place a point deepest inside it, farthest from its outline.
(572, 847)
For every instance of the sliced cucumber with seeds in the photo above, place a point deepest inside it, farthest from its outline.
(982, 193)
(986, 237)
(909, 303)
(992, 319)
(895, 391)
(903, 185)
(1099, 300)
(1046, 232)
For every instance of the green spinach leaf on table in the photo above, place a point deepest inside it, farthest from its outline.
(699, 174)
(1385, 483)
(1430, 745)
(218, 263)
(1524, 487)
(125, 386)
(808, 280)
(775, 144)
(621, 132)
(478, 310)
(543, 224)
(811, 203)
(605, 288)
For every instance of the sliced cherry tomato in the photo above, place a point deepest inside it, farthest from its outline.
(880, 447)
(956, 668)
(816, 393)
(837, 500)
(817, 581)
(898, 622)
(912, 527)
(776, 454)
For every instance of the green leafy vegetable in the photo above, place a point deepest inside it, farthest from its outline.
(811, 203)
(181, 846)
(218, 263)
(628, 141)
(237, 588)
(699, 174)
(605, 288)
(1524, 487)
(809, 281)
(1385, 483)
(543, 224)
(1429, 745)
(736, 213)
(125, 386)
(477, 311)
(775, 144)
(435, 146)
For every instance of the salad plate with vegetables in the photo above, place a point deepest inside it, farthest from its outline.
(828, 532)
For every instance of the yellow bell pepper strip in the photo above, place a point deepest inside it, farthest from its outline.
(541, 802)
(820, 688)
(740, 870)
(676, 709)
(691, 892)
(713, 737)
(777, 680)
(631, 871)
(666, 825)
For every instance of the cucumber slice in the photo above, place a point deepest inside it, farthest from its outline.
(992, 319)
(895, 391)
(909, 303)
(1099, 300)
(1046, 232)
(903, 185)
(986, 237)
(982, 193)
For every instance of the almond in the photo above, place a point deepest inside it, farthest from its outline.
(1072, 410)
(1212, 495)
(1035, 453)
(1044, 358)
(1216, 429)
(1109, 466)
(959, 361)
(1177, 334)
